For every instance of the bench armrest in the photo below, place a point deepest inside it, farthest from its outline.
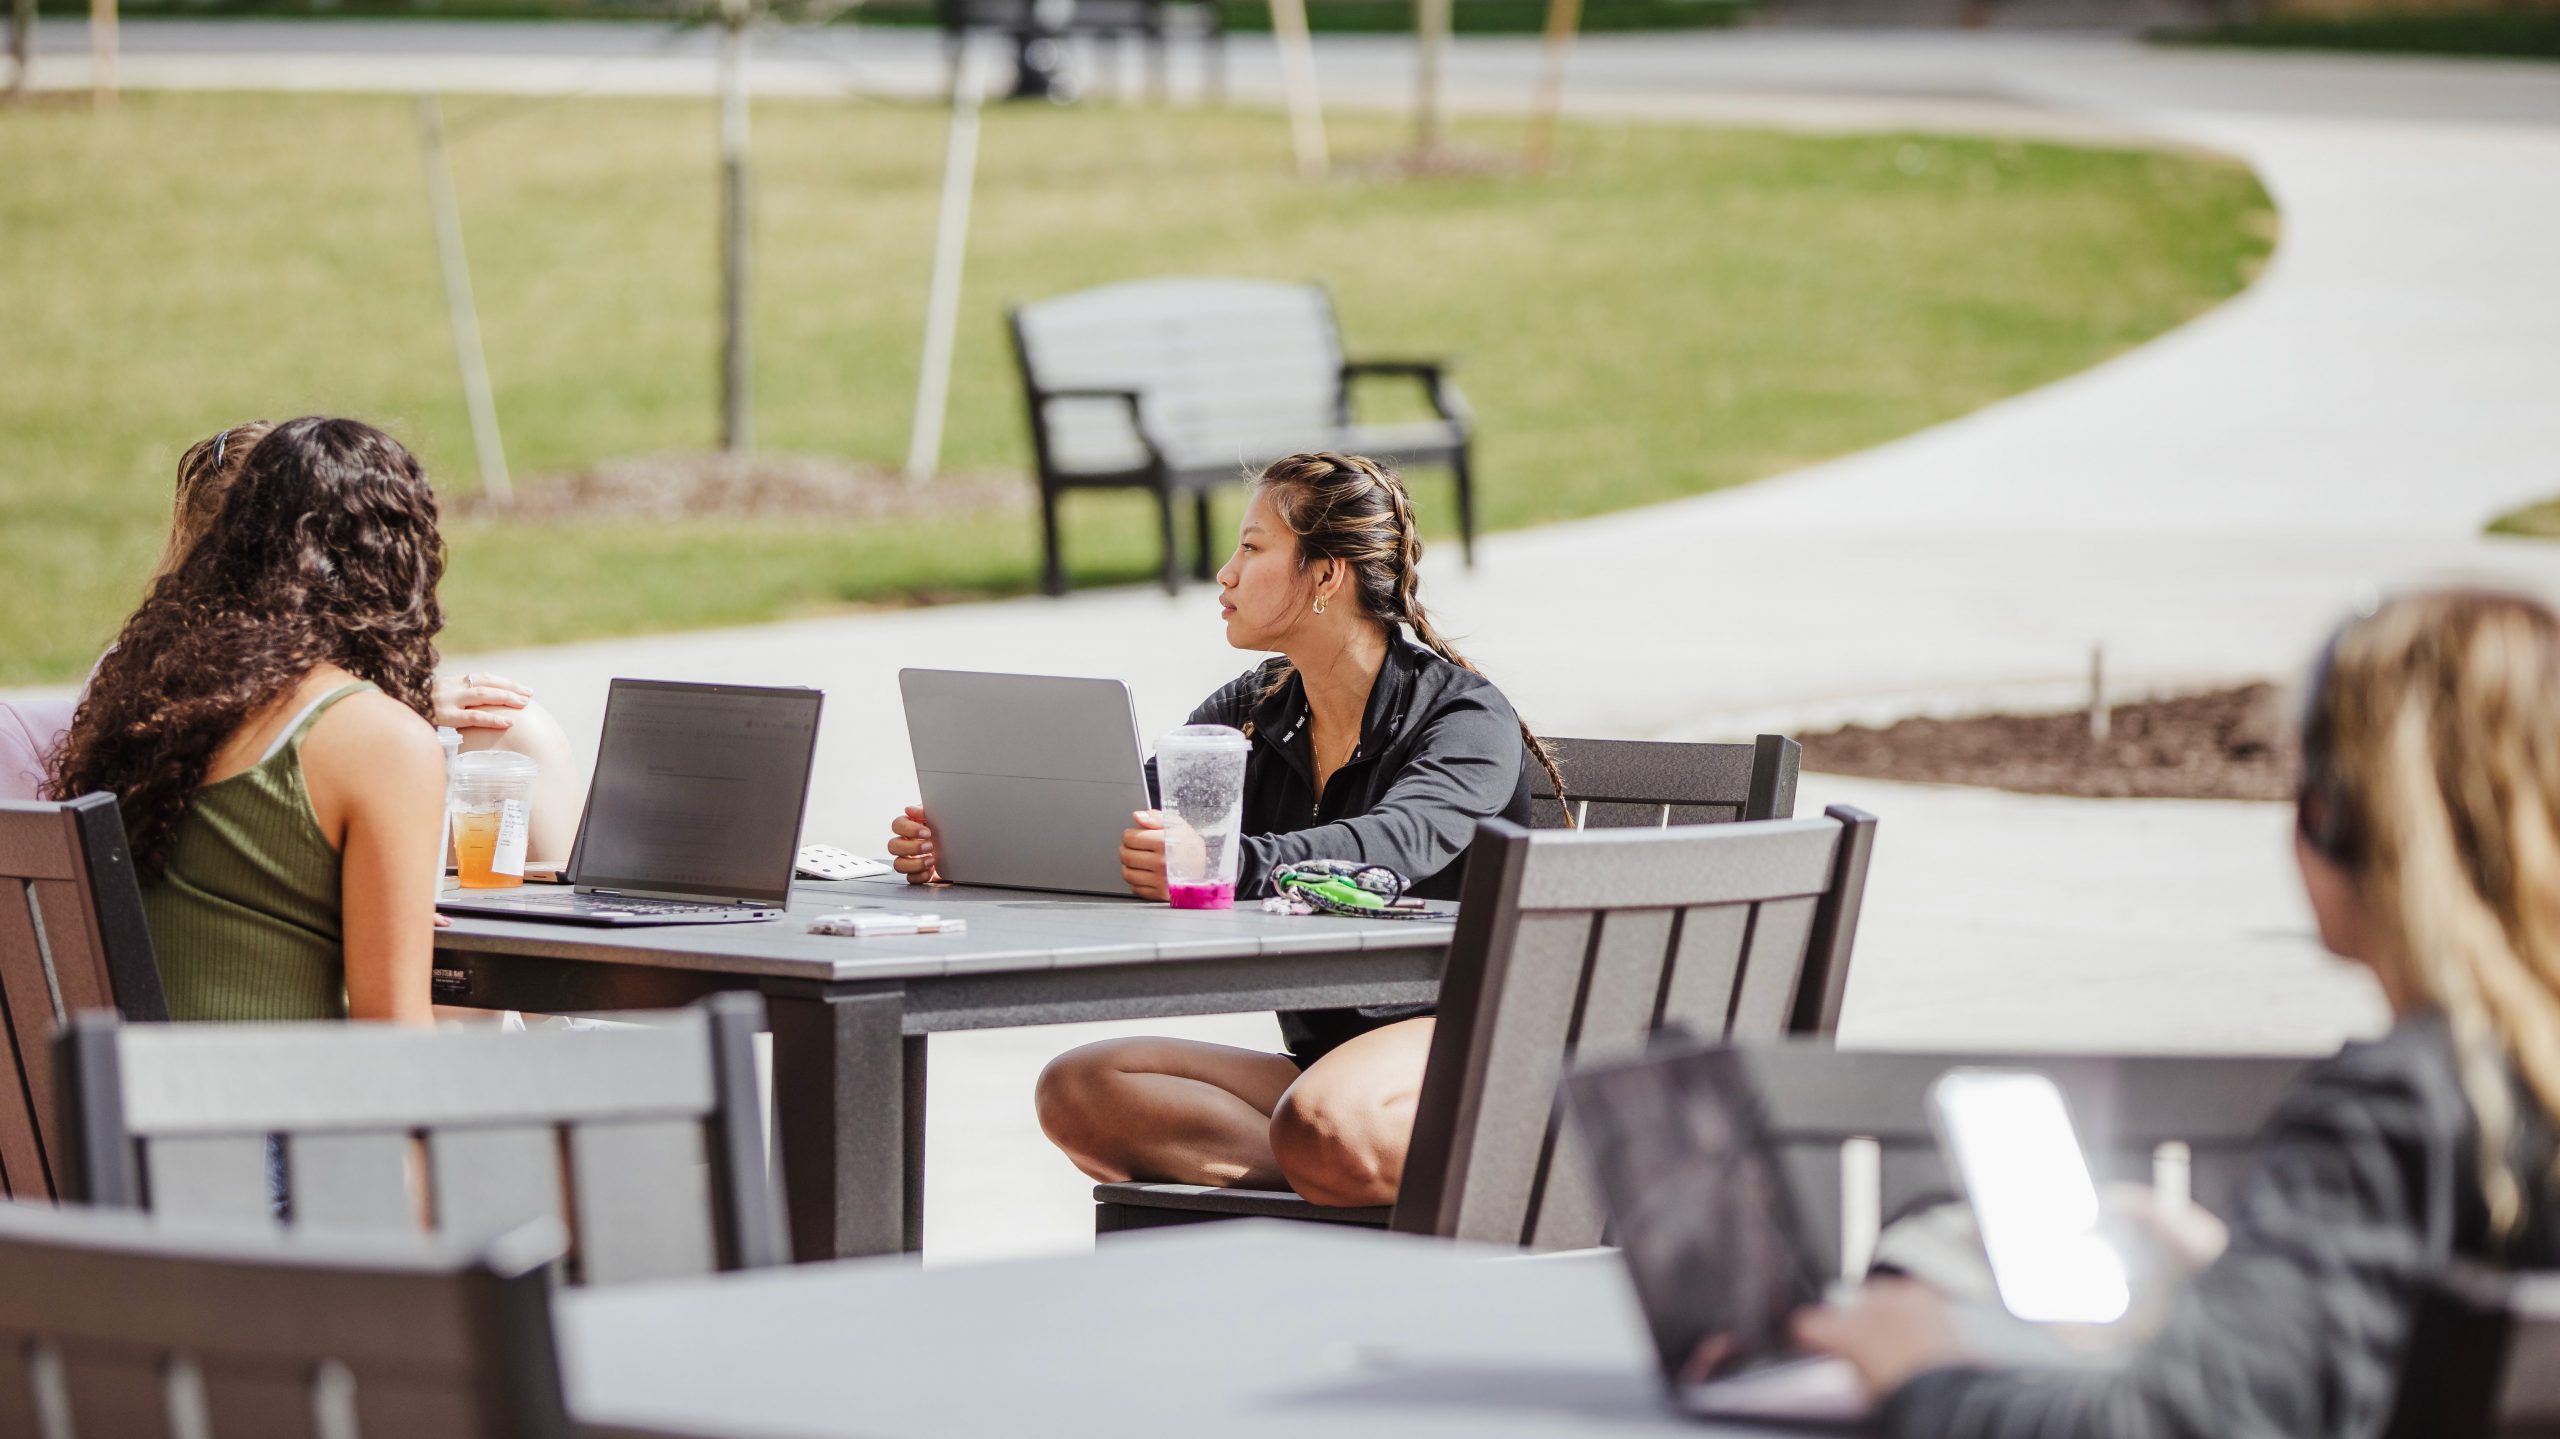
(1434, 375)
(1130, 398)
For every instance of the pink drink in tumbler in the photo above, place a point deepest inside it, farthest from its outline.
(1200, 774)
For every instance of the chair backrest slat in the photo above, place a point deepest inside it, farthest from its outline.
(72, 938)
(350, 1183)
(1574, 946)
(1644, 784)
(1773, 967)
(625, 1234)
(209, 1177)
(110, 1324)
(645, 1141)
(487, 1179)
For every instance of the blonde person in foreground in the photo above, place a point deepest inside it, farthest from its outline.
(2429, 840)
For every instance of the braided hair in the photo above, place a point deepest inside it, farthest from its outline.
(1356, 510)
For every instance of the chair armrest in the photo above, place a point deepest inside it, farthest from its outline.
(1434, 375)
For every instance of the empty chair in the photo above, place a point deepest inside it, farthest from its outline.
(72, 938)
(1622, 783)
(1583, 944)
(646, 1141)
(1179, 386)
(111, 1324)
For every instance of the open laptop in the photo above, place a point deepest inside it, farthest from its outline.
(1029, 779)
(694, 814)
(1699, 1206)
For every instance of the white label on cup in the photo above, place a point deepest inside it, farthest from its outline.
(509, 858)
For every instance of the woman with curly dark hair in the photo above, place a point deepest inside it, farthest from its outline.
(262, 721)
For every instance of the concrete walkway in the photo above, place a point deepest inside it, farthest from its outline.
(2204, 507)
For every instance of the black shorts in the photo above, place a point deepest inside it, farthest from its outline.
(1308, 1035)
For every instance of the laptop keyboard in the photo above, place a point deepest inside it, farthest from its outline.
(656, 906)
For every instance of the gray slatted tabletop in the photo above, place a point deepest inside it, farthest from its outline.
(850, 1016)
(1237, 1330)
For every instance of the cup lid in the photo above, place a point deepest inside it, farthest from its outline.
(494, 764)
(1205, 736)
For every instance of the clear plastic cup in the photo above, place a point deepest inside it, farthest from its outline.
(1200, 779)
(490, 799)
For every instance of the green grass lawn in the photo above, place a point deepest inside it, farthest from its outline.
(1676, 310)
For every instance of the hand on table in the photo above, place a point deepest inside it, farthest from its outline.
(1895, 1329)
(1142, 854)
(911, 851)
(478, 701)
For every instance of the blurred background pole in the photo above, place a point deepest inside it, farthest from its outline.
(1431, 33)
(950, 254)
(1298, 82)
(1564, 18)
(737, 416)
(459, 309)
(102, 51)
(22, 44)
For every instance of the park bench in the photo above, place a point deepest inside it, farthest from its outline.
(1029, 23)
(1183, 386)
(72, 938)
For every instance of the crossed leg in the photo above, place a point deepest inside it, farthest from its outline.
(1183, 1112)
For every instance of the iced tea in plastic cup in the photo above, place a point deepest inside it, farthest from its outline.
(1200, 781)
(491, 801)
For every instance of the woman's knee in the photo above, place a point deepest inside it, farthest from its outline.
(1341, 1145)
(1080, 1092)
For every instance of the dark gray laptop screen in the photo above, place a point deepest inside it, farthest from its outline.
(698, 790)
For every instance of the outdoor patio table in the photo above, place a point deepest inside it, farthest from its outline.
(1236, 1330)
(849, 1016)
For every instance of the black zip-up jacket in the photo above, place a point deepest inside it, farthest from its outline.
(1439, 750)
(2367, 1181)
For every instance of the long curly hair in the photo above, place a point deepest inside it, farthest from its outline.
(324, 550)
(1353, 509)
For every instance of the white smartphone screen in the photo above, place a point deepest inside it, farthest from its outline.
(2032, 1196)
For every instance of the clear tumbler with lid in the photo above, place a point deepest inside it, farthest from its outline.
(491, 798)
(1200, 779)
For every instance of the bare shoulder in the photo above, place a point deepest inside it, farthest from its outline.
(373, 738)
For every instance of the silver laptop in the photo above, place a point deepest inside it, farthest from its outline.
(694, 815)
(1029, 780)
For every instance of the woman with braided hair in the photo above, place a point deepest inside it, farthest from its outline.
(1372, 740)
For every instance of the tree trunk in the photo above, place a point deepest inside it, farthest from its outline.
(1431, 32)
(102, 50)
(737, 414)
(1564, 19)
(22, 44)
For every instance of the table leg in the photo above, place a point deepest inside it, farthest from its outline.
(852, 1153)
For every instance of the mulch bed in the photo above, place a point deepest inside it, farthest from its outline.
(771, 485)
(2228, 744)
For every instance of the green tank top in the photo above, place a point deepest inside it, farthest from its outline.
(245, 919)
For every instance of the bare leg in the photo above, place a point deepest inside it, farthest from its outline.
(1341, 1132)
(1170, 1110)
(559, 792)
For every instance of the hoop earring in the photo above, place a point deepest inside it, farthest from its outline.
(1319, 604)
